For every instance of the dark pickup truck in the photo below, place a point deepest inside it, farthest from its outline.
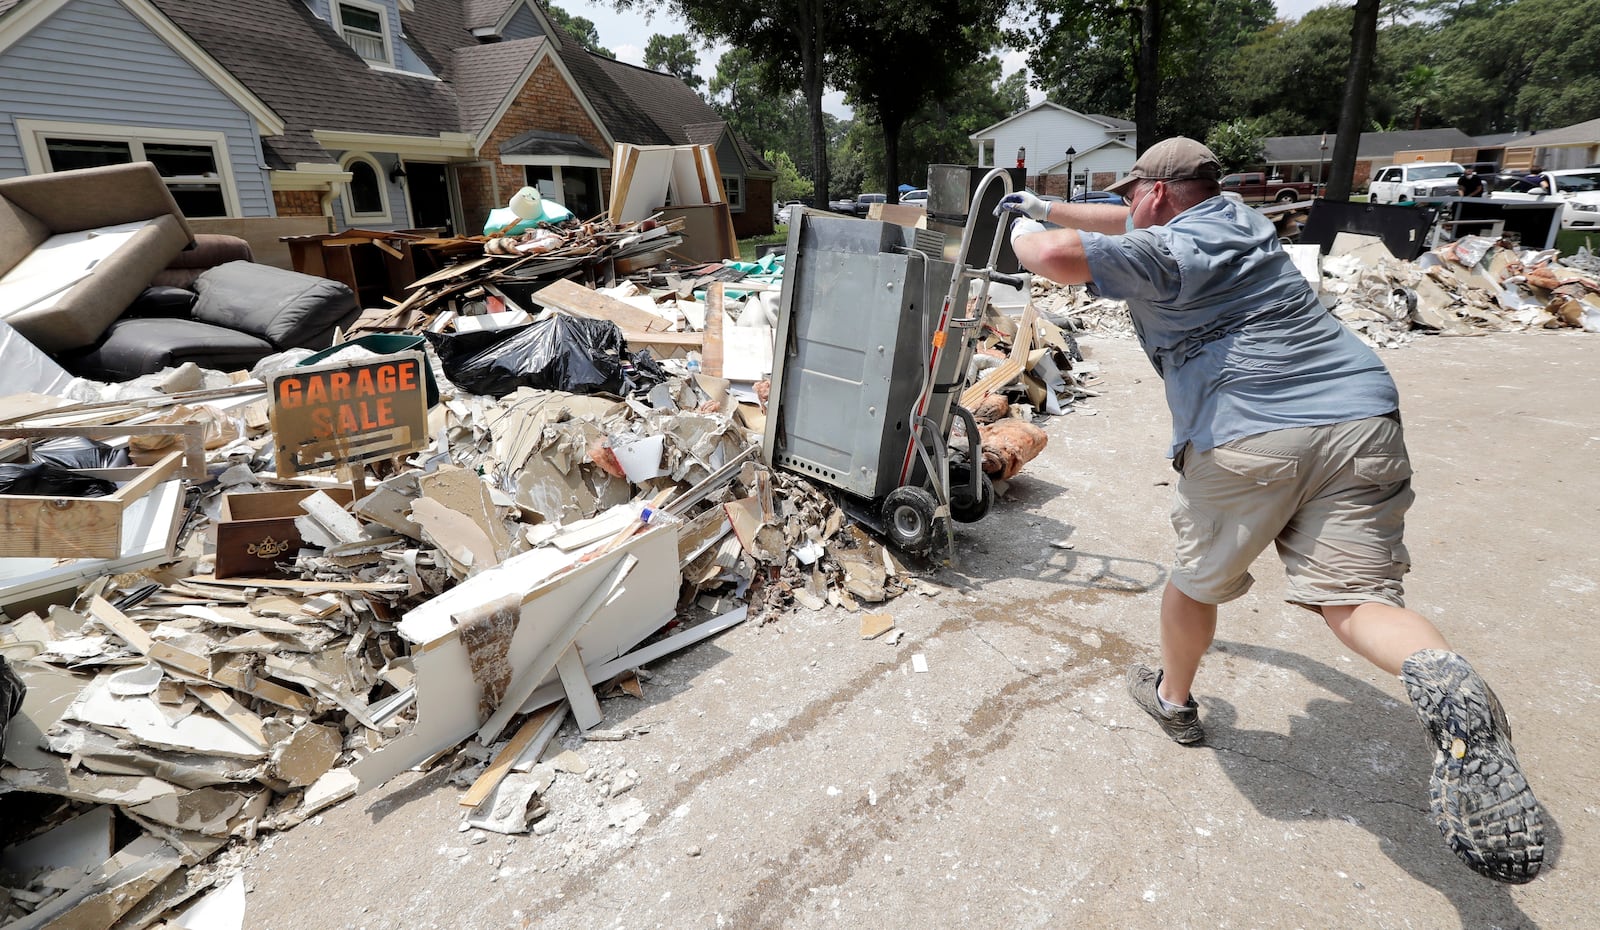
(1255, 187)
(857, 206)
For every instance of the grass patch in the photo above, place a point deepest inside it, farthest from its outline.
(747, 247)
(1568, 240)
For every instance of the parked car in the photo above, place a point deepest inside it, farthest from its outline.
(1256, 187)
(864, 202)
(1099, 197)
(1578, 188)
(916, 198)
(1422, 180)
(788, 210)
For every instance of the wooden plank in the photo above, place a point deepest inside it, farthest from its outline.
(501, 764)
(192, 434)
(1015, 364)
(711, 354)
(451, 272)
(572, 298)
(637, 340)
(61, 527)
(296, 584)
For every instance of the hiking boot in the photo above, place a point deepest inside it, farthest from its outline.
(1183, 725)
(1480, 800)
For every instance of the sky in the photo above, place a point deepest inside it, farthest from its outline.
(627, 33)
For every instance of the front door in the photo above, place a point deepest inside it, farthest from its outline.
(429, 187)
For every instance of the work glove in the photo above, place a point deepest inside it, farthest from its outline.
(1024, 204)
(1022, 226)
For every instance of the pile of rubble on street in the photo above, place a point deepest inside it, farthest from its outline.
(246, 596)
(1471, 286)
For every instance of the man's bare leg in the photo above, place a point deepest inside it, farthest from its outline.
(1187, 628)
(1383, 634)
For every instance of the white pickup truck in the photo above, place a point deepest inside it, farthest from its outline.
(1421, 180)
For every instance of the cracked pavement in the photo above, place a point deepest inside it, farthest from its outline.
(794, 775)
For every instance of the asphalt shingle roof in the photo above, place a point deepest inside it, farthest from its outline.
(301, 68)
(485, 75)
(1576, 134)
(1305, 149)
(682, 115)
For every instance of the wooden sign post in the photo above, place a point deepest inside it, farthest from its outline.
(347, 414)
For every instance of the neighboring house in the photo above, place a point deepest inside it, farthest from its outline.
(1575, 146)
(384, 114)
(1308, 158)
(1104, 147)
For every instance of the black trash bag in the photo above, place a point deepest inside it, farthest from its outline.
(80, 452)
(558, 353)
(645, 373)
(51, 480)
(12, 691)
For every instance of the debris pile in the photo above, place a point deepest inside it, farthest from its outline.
(241, 638)
(1471, 286)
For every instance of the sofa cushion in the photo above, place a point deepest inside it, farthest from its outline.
(286, 308)
(81, 314)
(173, 302)
(132, 348)
(210, 250)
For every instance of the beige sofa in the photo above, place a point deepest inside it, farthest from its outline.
(76, 248)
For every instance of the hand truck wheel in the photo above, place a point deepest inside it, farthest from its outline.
(908, 516)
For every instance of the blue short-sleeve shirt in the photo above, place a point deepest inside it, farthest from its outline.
(1234, 330)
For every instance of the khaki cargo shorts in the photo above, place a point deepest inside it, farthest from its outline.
(1332, 498)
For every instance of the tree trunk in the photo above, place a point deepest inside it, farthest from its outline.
(812, 79)
(1353, 109)
(891, 159)
(1147, 75)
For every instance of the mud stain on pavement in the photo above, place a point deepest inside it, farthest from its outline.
(830, 851)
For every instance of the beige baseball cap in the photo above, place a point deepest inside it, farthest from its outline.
(1175, 159)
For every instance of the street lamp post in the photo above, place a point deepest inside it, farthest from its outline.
(1071, 178)
(1322, 164)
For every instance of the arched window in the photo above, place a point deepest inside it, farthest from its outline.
(365, 195)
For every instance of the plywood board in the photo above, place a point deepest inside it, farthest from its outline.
(576, 300)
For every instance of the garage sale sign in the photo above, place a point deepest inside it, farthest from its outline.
(343, 413)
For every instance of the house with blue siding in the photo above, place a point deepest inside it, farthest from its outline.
(378, 114)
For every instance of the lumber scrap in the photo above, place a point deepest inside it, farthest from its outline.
(574, 299)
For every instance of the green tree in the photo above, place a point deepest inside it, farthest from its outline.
(937, 134)
(795, 36)
(674, 55)
(789, 184)
(581, 28)
(895, 58)
(1239, 143)
(1116, 58)
(747, 92)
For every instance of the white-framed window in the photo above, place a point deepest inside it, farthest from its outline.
(733, 188)
(366, 194)
(194, 164)
(365, 27)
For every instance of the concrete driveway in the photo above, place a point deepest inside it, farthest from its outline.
(794, 775)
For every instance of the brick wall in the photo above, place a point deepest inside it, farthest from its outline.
(756, 220)
(546, 103)
(297, 203)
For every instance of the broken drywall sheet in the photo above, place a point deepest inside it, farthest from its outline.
(447, 694)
